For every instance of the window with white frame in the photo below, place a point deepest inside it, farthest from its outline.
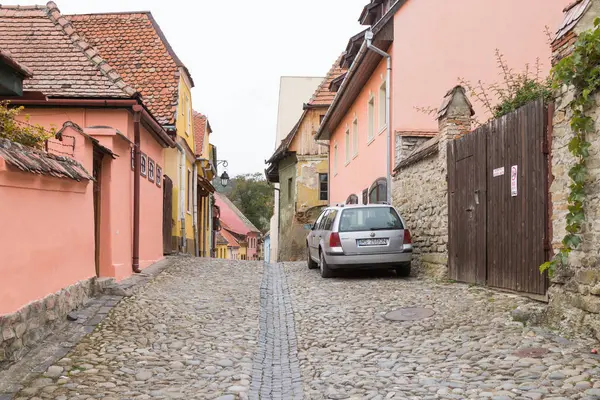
(335, 159)
(371, 116)
(347, 145)
(355, 136)
(382, 106)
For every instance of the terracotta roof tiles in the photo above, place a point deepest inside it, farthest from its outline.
(323, 96)
(199, 131)
(135, 45)
(40, 162)
(7, 58)
(62, 63)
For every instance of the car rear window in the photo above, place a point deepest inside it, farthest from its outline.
(370, 219)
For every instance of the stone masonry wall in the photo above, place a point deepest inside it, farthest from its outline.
(22, 329)
(575, 291)
(419, 191)
(420, 187)
(574, 294)
(406, 144)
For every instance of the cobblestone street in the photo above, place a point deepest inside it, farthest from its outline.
(216, 329)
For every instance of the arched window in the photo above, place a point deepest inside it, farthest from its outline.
(352, 199)
(378, 191)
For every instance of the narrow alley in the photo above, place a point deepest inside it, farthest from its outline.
(221, 329)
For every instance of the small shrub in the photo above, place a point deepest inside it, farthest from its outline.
(516, 89)
(21, 131)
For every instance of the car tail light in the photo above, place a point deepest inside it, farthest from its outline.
(334, 240)
(407, 238)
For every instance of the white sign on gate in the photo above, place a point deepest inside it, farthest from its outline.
(513, 180)
(498, 171)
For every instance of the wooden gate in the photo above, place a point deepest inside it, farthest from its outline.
(167, 215)
(497, 202)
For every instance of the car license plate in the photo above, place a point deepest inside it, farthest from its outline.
(372, 242)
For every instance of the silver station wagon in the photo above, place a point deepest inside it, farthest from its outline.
(359, 236)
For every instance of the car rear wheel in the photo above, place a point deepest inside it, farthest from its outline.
(326, 272)
(403, 270)
(311, 263)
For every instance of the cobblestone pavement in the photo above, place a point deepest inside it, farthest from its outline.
(189, 334)
(215, 329)
(347, 350)
(276, 372)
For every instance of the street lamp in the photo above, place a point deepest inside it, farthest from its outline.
(224, 179)
(224, 175)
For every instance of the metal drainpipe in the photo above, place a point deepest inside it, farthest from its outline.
(135, 262)
(195, 211)
(369, 39)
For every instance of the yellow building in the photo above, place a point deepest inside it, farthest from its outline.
(206, 160)
(180, 167)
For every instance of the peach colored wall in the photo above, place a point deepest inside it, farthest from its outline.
(369, 163)
(47, 240)
(117, 186)
(436, 42)
(117, 197)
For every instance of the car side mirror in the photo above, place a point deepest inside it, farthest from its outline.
(309, 227)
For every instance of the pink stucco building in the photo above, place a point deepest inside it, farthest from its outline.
(61, 229)
(432, 44)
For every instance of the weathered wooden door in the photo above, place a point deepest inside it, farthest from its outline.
(467, 208)
(517, 200)
(497, 202)
(167, 215)
(97, 190)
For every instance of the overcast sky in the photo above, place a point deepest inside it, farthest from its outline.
(236, 51)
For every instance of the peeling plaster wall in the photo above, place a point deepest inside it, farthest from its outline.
(304, 206)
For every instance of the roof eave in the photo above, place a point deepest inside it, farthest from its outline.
(324, 132)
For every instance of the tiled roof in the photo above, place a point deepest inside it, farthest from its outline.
(135, 45)
(323, 96)
(63, 64)
(199, 131)
(39, 162)
(228, 236)
(221, 239)
(573, 13)
(447, 101)
(425, 150)
(7, 58)
(234, 219)
(417, 133)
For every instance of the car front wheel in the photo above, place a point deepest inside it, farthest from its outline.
(326, 272)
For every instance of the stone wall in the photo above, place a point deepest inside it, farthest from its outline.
(407, 144)
(420, 188)
(574, 294)
(419, 191)
(21, 330)
(575, 291)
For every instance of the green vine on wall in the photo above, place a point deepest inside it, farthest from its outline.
(580, 70)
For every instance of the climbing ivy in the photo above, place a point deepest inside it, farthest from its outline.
(581, 71)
